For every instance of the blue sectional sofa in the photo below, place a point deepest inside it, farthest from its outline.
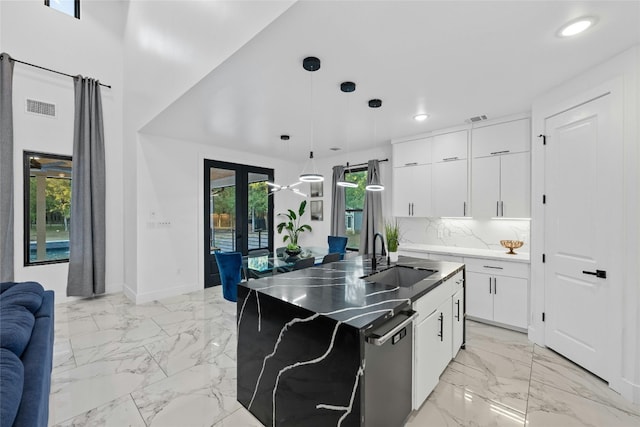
(26, 353)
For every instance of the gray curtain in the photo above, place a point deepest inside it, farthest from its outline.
(6, 169)
(87, 233)
(372, 213)
(337, 204)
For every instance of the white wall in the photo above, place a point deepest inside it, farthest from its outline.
(624, 311)
(92, 46)
(169, 46)
(171, 190)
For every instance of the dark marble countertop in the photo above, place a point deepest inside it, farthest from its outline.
(341, 292)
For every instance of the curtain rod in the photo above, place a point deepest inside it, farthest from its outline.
(365, 164)
(50, 70)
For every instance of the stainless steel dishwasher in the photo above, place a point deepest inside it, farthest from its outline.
(388, 374)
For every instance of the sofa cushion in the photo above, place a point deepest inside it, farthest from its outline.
(12, 380)
(27, 294)
(16, 324)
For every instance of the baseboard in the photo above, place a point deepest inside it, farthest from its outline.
(628, 390)
(110, 289)
(141, 298)
(498, 324)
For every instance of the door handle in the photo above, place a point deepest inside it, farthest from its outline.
(602, 274)
(441, 334)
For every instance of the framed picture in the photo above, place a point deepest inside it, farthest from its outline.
(316, 210)
(315, 189)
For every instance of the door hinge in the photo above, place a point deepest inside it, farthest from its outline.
(544, 199)
(543, 316)
(544, 258)
(544, 139)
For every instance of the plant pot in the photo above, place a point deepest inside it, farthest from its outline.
(393, 256)
(292, 253)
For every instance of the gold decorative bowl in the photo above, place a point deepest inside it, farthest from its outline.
(511, 245)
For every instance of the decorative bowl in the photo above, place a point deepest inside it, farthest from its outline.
(511, 245)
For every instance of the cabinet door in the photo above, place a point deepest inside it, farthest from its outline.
(515, 189)
(509, 137)
(402, 191)
(416, 152)
(485, 187)
(412, 191)
(510, 301)
(457, 320)
(426, 375)
(479, 302)
(450, 146)
(450, 189)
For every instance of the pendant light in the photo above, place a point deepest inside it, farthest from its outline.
(375, 184)
(310, 172)
(347, 87)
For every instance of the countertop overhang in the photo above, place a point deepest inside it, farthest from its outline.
(341, 291)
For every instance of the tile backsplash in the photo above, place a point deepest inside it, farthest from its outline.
(464, 233)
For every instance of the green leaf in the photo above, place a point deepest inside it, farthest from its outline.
(292, 215)
(303, 205)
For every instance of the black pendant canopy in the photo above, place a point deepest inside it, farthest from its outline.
(375, 103)
(348, 86)
(311, 63)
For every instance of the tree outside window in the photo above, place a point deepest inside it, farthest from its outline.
(354, 204)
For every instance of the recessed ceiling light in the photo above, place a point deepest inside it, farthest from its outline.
(576, 27)
(420, 117)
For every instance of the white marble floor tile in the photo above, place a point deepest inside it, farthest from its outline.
(117, 413)
(98, 345)
(63, 355)
(552, 369)
(127, 315)
(552, 407)
(241, 417)
(66, 327)
(200, 396)
(509, 390)
(512, 344)
(182, 320)
(86, 387)
(202, 344)
(450, 406)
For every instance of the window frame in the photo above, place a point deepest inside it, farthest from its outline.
(26, 195)
(352, 170)
(76, 8)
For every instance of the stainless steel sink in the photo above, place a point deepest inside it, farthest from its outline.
(400, 276)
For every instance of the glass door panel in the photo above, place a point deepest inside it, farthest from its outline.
(222, 210)
(258, 212)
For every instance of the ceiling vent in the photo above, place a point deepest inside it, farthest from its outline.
(41, 108)
(476, 119)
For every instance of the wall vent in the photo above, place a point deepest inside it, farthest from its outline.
(476, 119)
(41, 108)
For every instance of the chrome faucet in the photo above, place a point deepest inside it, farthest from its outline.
(383, 253)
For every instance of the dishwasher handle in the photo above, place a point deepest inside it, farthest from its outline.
(380, 340)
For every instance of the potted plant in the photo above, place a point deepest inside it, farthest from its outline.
(392, 234)
(293, 228)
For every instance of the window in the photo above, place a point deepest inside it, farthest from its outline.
(47, 208)
(354, 204)
(70, 7)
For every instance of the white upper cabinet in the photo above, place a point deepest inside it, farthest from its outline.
(411, 153)
(450, 189)
(502, 138)
(412, 191)
(515, 189)
(450, 146)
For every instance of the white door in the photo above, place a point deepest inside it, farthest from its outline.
(450, 188)
(580, 155)
(479, 302)
(457, 307)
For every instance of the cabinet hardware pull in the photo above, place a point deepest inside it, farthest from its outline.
(501, 208)
(412, 211)
(489, 284)
(497, 208)
(464, 208)
(450, 158)
(409, 209)
(411, 164)
(602, 274)
(499, 152)
(458, 307)
(441, 334)
(491, 266)
(495, 286)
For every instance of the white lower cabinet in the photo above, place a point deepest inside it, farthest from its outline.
(437, 335)
(498, 292)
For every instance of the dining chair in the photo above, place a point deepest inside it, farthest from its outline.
(337, 244)
(230, 268)
(331, 258)
(304, 263)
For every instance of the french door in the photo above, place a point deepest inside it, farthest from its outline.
(238, 212)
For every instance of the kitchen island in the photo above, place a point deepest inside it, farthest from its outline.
(304, 356)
